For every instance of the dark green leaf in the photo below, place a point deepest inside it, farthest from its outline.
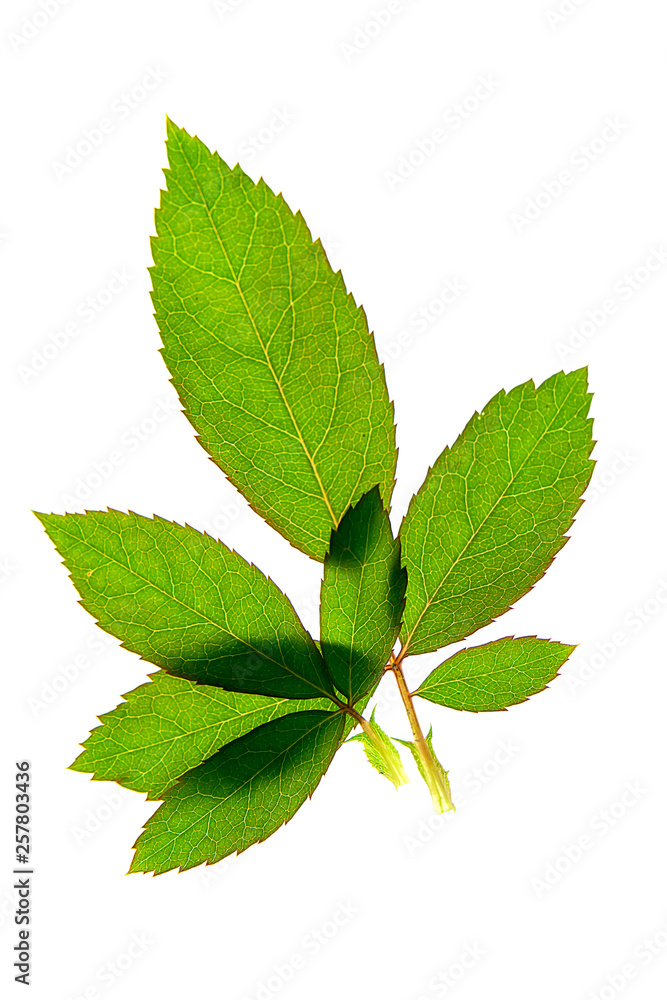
(170, 725)
(363, 593)
(184, 601)
(241, 795)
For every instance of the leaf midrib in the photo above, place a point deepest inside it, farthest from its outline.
(199, 614)
(184, 735)
(220, 802)
(471, 678)
(187, 734)
(430, 600)
(237, 282)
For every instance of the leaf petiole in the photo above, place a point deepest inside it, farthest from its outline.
(429, 766)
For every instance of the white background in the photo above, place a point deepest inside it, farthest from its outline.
(416, 893)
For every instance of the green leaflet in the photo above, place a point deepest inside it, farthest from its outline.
(494, 508)
(381, 752)
(241, 795)
(271, 358)
(168, 726)
(276, 370)
(184, 601)
(492, 677)
(363, 593)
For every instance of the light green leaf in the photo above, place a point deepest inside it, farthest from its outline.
(270, 355)
(170, 725)
(494, 509)
(381, 752)
(363, 593)
(184, 601)
(241, 795)
(489, 678)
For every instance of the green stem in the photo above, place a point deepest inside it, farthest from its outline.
(432, 770)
